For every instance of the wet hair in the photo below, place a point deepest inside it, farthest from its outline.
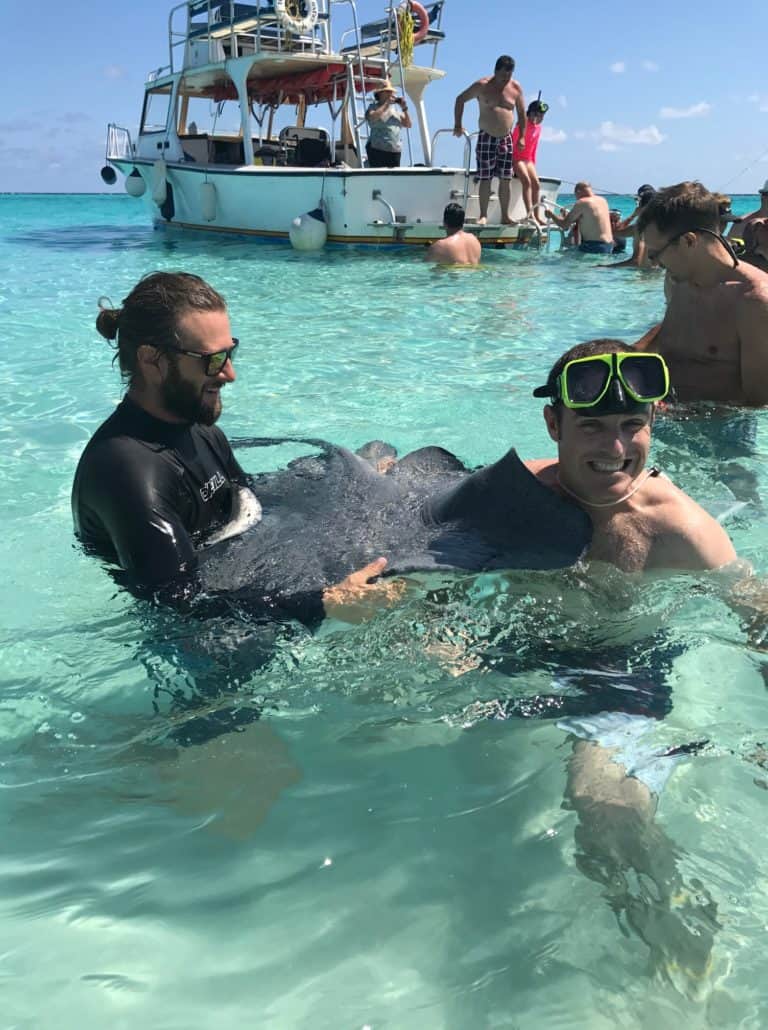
(453, 216)
(536, 107)
(505, 63)
(151, 312)
(681, 208)
(645, 195)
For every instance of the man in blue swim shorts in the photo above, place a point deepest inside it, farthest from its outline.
(592, 216)
(499, 97)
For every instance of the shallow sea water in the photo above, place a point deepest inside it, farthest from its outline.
(375, 851)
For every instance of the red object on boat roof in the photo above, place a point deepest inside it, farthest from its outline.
(316, 86)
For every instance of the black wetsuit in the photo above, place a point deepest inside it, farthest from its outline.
(146, 494)
(146, 491)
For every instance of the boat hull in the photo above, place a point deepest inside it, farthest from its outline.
(402, 206)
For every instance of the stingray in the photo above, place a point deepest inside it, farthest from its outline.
(332, 511)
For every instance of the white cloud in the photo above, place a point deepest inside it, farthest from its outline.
(114, 71)
(611, 133)
(552, 135)
(650, 66)
(562, 101)
(694, 111)
(761, 99)
(618, 67)
(608, 146)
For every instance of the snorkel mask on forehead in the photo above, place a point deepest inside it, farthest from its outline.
(609, 384)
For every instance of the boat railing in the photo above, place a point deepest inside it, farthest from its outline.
(382, 37)
(204, 32)
(119, 144)
(467, 137)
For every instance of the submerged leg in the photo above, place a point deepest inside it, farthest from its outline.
(621, 847)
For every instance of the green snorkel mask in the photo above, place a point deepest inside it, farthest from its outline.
(609, 384)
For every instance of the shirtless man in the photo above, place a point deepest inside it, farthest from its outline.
(593, 217)
(714, 335)
(458, 247)
(627, 228)
(640, 519)
(499, 97)
(756, 243)
(641, 522)
(738, 227)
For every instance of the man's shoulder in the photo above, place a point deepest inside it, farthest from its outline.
(755, 282)
(675, 511)
(686, 535)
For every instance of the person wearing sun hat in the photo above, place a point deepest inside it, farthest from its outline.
(384, 146)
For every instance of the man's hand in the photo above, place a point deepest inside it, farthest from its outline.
(356, 599)
(458, 130)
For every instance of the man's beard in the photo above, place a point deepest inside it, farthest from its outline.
(188, 401)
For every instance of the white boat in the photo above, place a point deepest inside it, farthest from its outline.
(257, 126)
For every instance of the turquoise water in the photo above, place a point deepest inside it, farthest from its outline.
(374, 852)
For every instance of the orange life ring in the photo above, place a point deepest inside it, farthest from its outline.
(418, 10)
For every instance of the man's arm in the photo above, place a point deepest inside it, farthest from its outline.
(471, 93)
(522, 117)
(139, 515)
(753, 344)
(569, 218)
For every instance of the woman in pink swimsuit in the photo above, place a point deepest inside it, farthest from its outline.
(524, 158)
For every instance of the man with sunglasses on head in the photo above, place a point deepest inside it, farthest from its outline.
(158, 480)
(600, 414)
(714, 335)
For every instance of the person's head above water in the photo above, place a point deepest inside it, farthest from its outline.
(681, 226)
(602, 397)
(453, 217)
(645, 194)
(174, 345)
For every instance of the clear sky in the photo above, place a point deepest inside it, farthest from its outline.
(649, 92)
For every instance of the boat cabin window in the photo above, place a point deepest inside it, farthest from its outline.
(157, 104)
(205, 116)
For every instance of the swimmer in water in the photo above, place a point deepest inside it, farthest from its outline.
(159, 477)
(600, 410)
(458, 247)
(714, 335)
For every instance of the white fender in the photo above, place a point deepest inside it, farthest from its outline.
(134, 184)
(208, 201)
(309, 231)
(159, 182)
